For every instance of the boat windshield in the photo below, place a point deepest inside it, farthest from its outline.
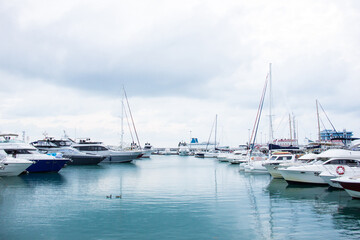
(20, 151)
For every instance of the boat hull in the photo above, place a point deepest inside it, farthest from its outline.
(327, 179)
(122, 158)
(13, 169)
(84, 160)
(352, 188)
(47, 165)
(302, 176)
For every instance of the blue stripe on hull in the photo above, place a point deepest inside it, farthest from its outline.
(47, 165)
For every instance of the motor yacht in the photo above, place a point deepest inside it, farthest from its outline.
(111, 156)
(273, 168)
(237, 157)
(327, 160)
(147, 151)
(184, 149)
(255, 159)
(10, 166)
(345, 168)
(276, 159)
(63, 147)
(41, 162)
(207, 154)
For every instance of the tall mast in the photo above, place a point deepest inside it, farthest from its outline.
(270, 105)
(318, 119)
(132, 119)
(215, 130)
(294, 129)
(290, 129)
(122, 122)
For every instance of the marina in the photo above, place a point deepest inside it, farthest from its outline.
(179, 120)
(177, 197)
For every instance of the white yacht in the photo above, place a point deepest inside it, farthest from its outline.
(343, 168)
(41, 162)
(237, 157)
(272, 163)
(63, 147)
(207, 154)
(112, 156)
(147, 151)
(184, 149)
(10, 166)
(223, 156)
(254, 162)
(310, 173)
(273, 168)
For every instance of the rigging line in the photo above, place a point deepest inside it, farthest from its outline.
(127, 120)
(280, 124)
(132, 119)
(329, 120)
(207, 144)
(257, 116)
(262, 104)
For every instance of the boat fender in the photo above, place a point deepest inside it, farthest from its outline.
(340, 170)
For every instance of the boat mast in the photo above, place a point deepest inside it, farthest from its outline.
(122, 122)
(215, 130)
(290, 130)
(318, 120)
(270, 103)
(132, 119)
(294, 128)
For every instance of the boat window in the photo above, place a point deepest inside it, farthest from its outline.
(86, 148)
(288, 158)
(17, 151)
(280, 158)
(273, 157)
(348, 162)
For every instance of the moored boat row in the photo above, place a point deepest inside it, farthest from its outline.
(51, 155)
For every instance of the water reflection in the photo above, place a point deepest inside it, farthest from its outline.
(40, 179)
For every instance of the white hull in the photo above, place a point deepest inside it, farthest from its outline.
(121, 157)
(274, 171)
(9, 169)
(302, 176)
(147, 154)
(327, 179)
(184, 153)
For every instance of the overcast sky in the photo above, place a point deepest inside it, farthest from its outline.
(63, 65)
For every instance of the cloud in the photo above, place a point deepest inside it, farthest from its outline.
(63, 64)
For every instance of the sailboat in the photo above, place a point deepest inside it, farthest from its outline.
(211, 153)
(254, 154)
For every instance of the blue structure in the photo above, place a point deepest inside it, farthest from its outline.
(327, 135)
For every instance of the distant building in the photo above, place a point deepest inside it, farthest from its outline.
(327, 135)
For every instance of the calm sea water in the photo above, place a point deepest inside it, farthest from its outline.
(171, 197)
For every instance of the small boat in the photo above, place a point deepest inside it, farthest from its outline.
(10, 166)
